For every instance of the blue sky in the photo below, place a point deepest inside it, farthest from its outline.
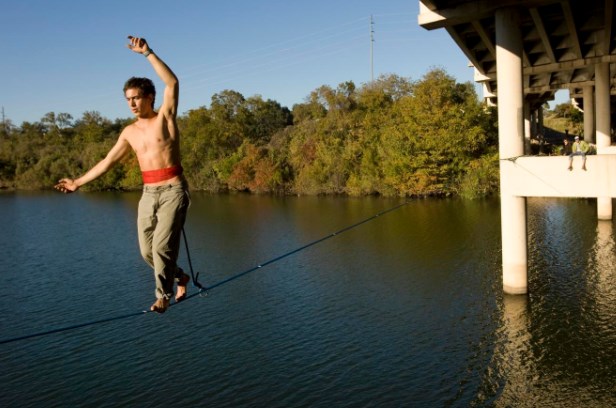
(70, 56)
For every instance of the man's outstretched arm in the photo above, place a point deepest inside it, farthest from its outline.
(119, 150)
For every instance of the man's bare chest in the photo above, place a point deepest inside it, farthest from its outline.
(148, 139)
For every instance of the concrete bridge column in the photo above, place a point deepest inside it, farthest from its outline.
(527, 128)
(589, 114)
(533, 123)
(511, 120)
(602, 106)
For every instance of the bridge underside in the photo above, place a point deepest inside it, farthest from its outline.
(523, 52)
(562, 41)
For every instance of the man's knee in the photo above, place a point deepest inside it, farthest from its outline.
(147, 255)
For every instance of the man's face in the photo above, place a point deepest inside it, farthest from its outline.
(139, 104)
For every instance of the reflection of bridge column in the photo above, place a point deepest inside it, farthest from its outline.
(514, 361)
(606, 259)
(602, 95)
(511, 144)
(589, 114)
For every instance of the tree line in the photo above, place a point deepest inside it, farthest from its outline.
(390, 137)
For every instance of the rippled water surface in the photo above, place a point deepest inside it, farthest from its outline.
(404, 310)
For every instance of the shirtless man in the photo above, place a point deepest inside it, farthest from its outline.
(155, 139)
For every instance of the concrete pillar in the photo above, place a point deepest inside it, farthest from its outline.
(602, 106)
(533, 123)
(511, 144)
(589, 114)
(540, 120)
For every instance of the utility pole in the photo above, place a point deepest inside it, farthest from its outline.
(371, 48)
(3, 128)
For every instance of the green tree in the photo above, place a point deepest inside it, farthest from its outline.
(392, 136)
(92, 127)
(57, 125)
(442, 128)
(265, 118)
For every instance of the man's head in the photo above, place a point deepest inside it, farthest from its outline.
(139, 90)
(577, 138)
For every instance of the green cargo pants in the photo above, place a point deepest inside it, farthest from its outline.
(160, 219)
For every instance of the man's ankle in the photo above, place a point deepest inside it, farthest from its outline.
(160, 305)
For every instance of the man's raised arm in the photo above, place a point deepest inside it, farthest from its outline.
(172, 84)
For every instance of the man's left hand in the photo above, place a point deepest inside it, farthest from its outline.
(138, 45)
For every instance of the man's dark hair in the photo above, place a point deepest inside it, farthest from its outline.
(145, 85)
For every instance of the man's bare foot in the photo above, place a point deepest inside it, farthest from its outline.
(181, 291)
(160, 306)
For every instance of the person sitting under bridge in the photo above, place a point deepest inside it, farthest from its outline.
(579, 148)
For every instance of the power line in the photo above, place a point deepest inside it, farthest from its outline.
(297, 42)
(273, 64)
(371, 49)
(277, 55)
(256, 62)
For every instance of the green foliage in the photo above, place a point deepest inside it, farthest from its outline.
(391, 137)
(570, 117)
(481, 178)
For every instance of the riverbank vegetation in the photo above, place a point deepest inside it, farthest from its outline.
(390, 137)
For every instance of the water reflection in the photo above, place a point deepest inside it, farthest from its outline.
(529, 375)
(514, 363)
(406, 310)
(556, 347)
(602, 284)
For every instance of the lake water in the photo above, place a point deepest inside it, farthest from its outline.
(405, 310)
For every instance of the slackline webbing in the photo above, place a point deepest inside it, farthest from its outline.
(202, 288)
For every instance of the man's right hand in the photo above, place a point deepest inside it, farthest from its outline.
(66, 186)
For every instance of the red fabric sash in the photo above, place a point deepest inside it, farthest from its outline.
(155, 176)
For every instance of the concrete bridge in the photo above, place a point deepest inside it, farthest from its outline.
(539, 47)
(547, 176)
